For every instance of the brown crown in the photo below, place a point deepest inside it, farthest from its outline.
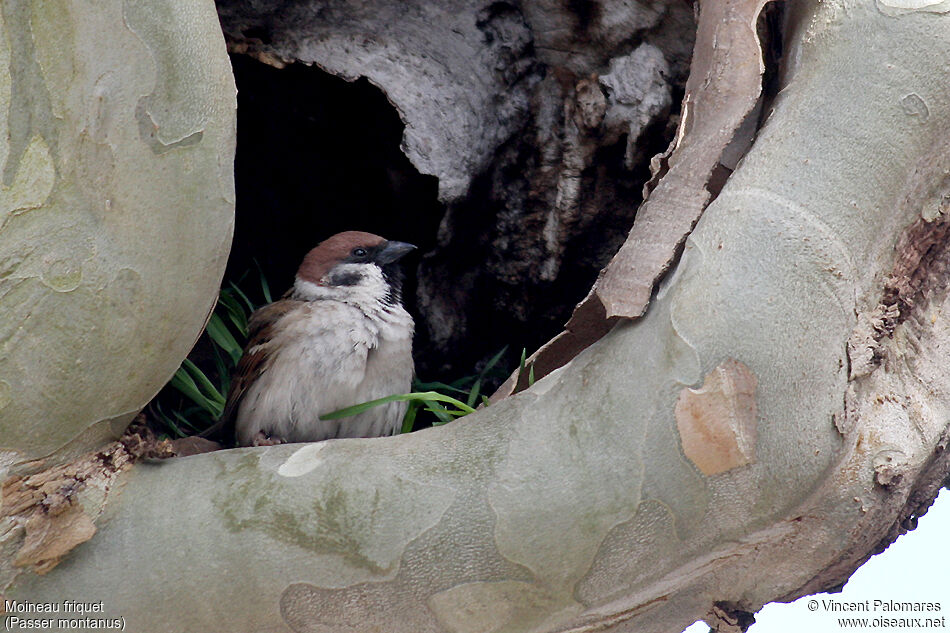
(318, 262)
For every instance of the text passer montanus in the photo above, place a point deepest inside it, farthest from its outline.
(339, 337)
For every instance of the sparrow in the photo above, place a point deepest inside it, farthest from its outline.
(339, 337)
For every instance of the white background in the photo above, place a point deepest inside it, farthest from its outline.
(916, 568)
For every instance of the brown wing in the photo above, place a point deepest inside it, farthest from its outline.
(255, 360)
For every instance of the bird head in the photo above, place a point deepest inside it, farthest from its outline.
(353, 264)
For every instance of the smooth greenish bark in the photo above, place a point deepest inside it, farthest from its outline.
(116, 209)
(572, 506)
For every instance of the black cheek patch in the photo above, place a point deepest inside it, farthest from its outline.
(345, 278)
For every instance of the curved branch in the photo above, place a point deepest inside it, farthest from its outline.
(572, 506)
(116, 212)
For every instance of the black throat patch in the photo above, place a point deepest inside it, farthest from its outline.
(393, 275)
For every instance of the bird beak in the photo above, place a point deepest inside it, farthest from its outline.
(393, 251)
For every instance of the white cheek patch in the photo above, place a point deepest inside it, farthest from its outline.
(302, 461)
(308, 291)
(364, 286)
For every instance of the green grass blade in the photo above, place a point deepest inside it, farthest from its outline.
(247, 302)
(184, 383)
(440, 397)
(228, 300)
(265, 287)
(174, 427)
(473, 395)
(450, 414)
(492, 362)
(223, 369)
(440, 412)
(219, 333)
(156, 410)
(356, 409)
(432, 386)
(410, 418)
(185, 421)
(425, 396)
(521, 368)
(234, 311)
(203, 383)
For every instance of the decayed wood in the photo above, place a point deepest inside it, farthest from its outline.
(46, 505)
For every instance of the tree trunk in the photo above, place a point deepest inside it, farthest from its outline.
(777, 414)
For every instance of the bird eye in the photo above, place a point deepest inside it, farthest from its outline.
(359, 252)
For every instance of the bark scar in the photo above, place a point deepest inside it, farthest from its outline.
(717, 423)
(921, 270)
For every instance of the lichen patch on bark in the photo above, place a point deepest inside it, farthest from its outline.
(717, 422)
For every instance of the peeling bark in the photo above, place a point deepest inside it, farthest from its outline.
(56, 509)
(723, 88)
(717, 422)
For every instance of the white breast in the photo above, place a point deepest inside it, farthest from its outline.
(333, 355)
